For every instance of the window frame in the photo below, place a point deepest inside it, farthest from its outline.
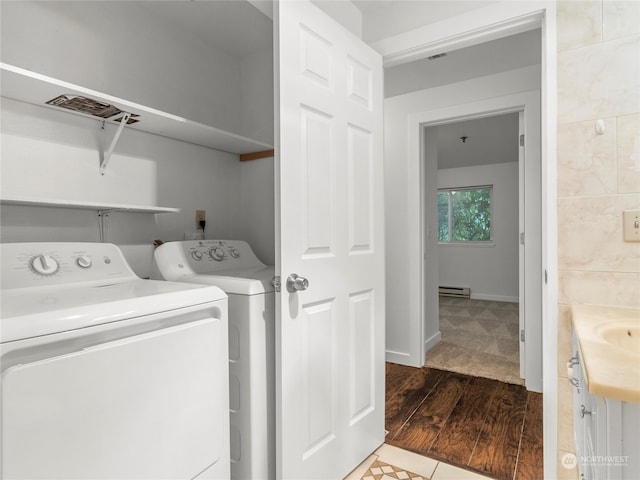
(476, 243)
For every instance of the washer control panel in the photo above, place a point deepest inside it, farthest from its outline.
(203, 256)
(212, 250)
(218, 251)
(42, 263)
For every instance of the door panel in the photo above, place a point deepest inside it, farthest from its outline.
(362, 378)
(319, 375)
(319, 181)
(360, 161)
(330, 337)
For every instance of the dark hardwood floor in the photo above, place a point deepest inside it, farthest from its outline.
(483, 425)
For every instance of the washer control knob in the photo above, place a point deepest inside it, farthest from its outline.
(84, 261)
(234, 252)
(217, 254)
(44, 264)
(196, 255)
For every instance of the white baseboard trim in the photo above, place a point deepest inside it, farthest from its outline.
(431, 342)
(494, 298)
(397, 357)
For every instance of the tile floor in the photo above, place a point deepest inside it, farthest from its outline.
(390, 463)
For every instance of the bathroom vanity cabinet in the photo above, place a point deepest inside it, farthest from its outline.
(606, 430)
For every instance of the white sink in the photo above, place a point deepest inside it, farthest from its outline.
(609, 342)
(624, 334)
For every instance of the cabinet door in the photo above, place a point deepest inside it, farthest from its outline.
(630, 440)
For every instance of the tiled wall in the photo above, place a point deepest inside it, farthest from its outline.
(598, 175)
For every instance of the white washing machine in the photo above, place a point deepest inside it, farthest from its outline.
(105, 375)
(232, 266)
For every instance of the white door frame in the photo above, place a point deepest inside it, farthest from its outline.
(426, 291)
(477, 26)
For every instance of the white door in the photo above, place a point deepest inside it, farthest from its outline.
(330, 336)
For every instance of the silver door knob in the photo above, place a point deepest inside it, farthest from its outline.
(296, 283)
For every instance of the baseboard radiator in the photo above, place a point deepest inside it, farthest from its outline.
(460, 292)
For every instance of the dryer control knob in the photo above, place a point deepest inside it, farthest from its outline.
(44, 264)
(84, 261)
(234, 252)
(196, 255)
(217, 254)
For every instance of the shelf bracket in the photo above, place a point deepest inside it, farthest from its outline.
(102, 215)
(107, 154)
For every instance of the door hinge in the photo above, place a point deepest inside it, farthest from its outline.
(522, 238)
(522, 335)
(522, 140)
(275, 282)
(546, 279)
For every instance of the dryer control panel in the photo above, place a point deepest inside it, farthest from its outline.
(59, 263)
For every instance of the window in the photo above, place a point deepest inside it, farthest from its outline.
(464, 214)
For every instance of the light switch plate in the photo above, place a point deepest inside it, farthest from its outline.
(631, 225)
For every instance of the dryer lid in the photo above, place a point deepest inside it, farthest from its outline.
(32, 312)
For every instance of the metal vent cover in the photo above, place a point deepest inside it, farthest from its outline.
(439, 55)
(91, 107)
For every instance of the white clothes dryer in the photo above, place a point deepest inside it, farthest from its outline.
(232, 266)
(106, 375)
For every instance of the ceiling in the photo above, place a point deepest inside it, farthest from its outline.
(489, 140)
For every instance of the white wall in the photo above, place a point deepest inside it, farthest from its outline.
(490, 271)
(256, 100)
(257, 207)
(400, 186)
(50, 154)
(121, 51)
(257, 201)
(118, 48)
(489, 58)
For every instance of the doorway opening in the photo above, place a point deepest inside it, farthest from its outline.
(478, 210)
(527, 183)
(515, 183)
(526, 194)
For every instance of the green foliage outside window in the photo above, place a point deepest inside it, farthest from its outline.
(464, 215)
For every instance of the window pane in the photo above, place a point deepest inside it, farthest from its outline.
(470, 215)
(443, 217)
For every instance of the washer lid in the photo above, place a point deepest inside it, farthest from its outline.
(245, 281)
(32, 312)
